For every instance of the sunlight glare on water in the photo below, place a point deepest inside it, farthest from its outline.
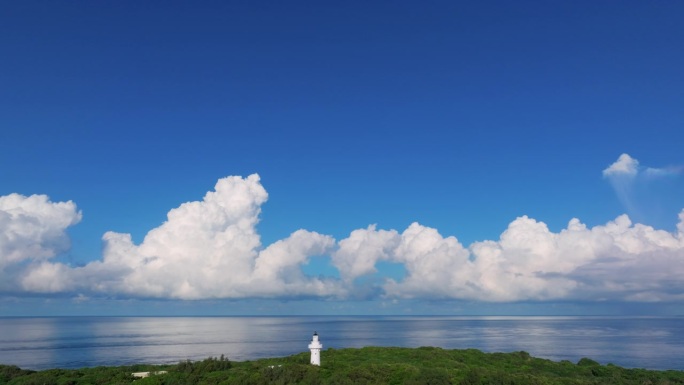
(72, 342)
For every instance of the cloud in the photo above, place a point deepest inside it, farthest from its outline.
(362, 250)
(581, 263)
(435, 266)
(616, 261)
(638, 188)
(211, 249)
(625, 166)
(278, 267)
(622, 175)
(32, 229)
(663, 172)
(205, 249)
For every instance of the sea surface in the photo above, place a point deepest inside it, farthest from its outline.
(73, 342)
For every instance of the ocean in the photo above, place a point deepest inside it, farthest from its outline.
(73, 342)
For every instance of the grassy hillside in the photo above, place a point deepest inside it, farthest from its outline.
(369, 365)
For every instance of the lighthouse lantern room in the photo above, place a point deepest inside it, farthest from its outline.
(315, 346)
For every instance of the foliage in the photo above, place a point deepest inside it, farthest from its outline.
(209, 365)
(370, 365)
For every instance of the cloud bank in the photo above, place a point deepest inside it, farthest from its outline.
(211, 249)
(205, 249)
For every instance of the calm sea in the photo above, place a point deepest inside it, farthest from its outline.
(72, 342)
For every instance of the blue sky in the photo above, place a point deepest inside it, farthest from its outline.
(472, 120)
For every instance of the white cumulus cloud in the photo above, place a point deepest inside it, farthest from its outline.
(435, 266)
(625, 165)
(619, 261)
(32, 229)
(615, 261)
(205, 249)
(211, 249)
(362, 250)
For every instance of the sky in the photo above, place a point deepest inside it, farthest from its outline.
(343, 157)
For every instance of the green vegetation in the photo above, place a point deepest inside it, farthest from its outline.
(371, 365)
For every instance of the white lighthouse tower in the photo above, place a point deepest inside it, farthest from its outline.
(315, 346)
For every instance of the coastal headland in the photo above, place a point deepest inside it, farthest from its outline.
(369, 365)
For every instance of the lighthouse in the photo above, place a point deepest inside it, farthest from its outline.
(315, 346)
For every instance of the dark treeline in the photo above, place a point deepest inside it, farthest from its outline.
(369, 365)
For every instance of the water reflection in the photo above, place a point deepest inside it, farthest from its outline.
(91, 341)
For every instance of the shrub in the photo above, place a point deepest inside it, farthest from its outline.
(587, 362)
